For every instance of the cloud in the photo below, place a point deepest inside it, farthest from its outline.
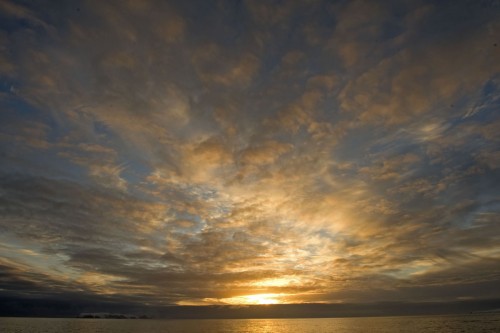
(266, 153)
(237, 70)
(194, 153)
(398, 87)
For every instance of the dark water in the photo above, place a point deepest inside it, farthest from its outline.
(442, 324)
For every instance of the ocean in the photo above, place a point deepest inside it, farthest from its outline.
(473, 323)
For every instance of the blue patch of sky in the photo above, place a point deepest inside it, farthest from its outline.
(102, 129)
(134, 172)
(488, 99)
(466, 219)
(223, 209)
(34, 161)
(328, 234)
(22, 109)
(482, 187)
(8, 85)
(200, 192)
(486, 184)
(476, 215)
(491, 86)
(485, 205)
(17, 110)
(12, 23)
(389, 142)
(41, 163)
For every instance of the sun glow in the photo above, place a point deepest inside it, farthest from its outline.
(255, 299)
(262, 299)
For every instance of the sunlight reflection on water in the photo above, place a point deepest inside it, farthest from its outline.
(442, 324)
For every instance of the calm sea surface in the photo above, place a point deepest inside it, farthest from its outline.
(442, 324)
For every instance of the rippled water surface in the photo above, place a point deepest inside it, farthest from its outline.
(442, 324)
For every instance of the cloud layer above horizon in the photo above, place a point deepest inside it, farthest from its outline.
(198, 152)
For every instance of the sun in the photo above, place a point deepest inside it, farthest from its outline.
(262, 299)
(254, 299)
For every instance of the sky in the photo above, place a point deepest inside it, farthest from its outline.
(250, 152)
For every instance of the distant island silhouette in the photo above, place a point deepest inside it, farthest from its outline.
(106, 315)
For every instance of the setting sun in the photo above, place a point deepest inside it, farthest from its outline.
(255, 299)
(262, 299)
